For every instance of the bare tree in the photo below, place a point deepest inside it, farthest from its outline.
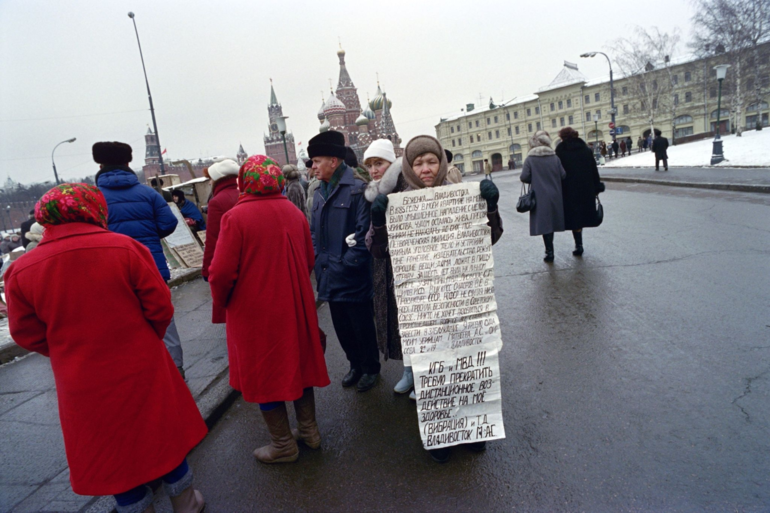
(737, 27)
(644, 60)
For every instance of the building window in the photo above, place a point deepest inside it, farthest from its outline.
(529, 127)
(452, 129)
(516, 114)
(477, 123)
(588, 116)
(476, 154)
(687, 97)
(599, 114)
(624, 90)
(654, 103)
(682, 120)
(509, 131)
(713, 92)
(517, 129)
(458, 128)
(654, 85)
(538, 125)
(764, 81)
(495, 119)
(478, 138)
(674, 79)
(553, 123)
(529, 113)
(571, 120)
(625, 109)
(676, 99)
(537, 110)
(489, 135)
(507, 116)
(596, 97)
(561, 104)
(561, 121)
(687, 76)
(489, 121)
(683, 132)
(453, 143)
(460, 141)
(470, 125)
(569, 103)
(553, 108)
(497, 134)
(587, 100)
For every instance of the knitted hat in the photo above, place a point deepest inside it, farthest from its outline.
(327, 144)
(223, 168)
(111, 153)
(290, 172)
(380, 148)
(72, 203)
(418, 146)
(260, 175)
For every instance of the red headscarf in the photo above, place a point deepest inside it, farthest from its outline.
(260, 175)
(72, 203)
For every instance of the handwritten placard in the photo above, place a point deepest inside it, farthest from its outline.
(191, 254)
(182, 234)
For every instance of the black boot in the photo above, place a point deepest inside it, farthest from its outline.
(578, 235)
(548, 241)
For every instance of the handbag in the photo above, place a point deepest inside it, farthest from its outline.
(599, 211)
(526, 200)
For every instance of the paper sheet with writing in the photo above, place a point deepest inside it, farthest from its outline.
(441, 254)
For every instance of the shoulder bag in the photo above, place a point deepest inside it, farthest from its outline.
(526, 200)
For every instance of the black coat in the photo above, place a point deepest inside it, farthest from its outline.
(25, 226)
(659, 146)
(581, 186)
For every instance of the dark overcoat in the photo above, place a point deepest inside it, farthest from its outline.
(659, 146)
(581, 185)
(544, 171)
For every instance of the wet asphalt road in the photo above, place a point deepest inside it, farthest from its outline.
(635, 378)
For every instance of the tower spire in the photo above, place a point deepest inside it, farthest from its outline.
(273, 98)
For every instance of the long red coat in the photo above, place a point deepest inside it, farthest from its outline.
(261, 275)
(95, 303)
(225, 196)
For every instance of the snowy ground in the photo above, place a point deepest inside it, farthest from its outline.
(753, 149)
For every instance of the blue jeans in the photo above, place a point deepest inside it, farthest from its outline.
(138, 499)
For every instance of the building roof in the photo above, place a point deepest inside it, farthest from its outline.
(362, 120)
(377, 102)
(273, 98)
(568, 75)
(333, 106)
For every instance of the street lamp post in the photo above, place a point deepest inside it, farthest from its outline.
(717, 154)
(55, 174)
(613, 110)
(10, 221)
(149, 95)
(281, 122)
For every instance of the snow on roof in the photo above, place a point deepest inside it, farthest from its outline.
(568, 75)
(516, 100)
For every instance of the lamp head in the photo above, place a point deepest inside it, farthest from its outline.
(588, 54)
(281, 122)
(721, 71)
(131, 15)
(72, 140)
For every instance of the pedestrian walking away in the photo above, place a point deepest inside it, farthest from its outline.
(453, 175)
(139, 212)
(294, 190)
(639, 144)
(424, 165)
(34, 236)
(224, 196)
(487, 169)
(126, 414)
(25, 227)
(580, 186)
(629, 145)
(342, 269)
(543, 170)
(659, 146)
(615, 147)
(273, 343)
(623, 147)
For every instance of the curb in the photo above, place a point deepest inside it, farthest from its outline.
(190, 275)
(736, 187)
(10, 352)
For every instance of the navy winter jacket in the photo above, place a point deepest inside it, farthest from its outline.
(342, 273)
(189, 210)
(138, 211)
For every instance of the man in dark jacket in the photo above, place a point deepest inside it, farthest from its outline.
(189, 210)
(25, 226)
(659, 146)
(343, 272)
(138, 211)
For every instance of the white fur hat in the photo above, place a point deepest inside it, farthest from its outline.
(223, 168)
(381, 148)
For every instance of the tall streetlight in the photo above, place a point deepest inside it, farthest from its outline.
(717, 155)
(55, 174)
(10, 221)
(149, 95)
(281, 122)
(613, 110)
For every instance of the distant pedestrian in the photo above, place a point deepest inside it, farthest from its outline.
(623, 147)
(603, 149)
(487, 169)
(34, 236)
(646, 143)
(127, 417)
(649, 142)
(454, 175)
(511, 163)
(580, 187)
(25, 226)
(192, 215)
(312, 185)
(294, 190)
(10, 242)
(224, 196)
(139, 212)
(544, 171)
(261, 276)
(343, 270)
(639, 144)
(629, 145)
(659, 146)
(615, 148)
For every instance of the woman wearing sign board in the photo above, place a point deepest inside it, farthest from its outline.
(425, 165)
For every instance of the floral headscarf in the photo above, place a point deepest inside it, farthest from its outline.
(260, 175)
(72, 203)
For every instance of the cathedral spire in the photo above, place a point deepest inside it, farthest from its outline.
(344, 81)
(273, 97)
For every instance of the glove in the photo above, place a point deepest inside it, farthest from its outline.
(350, 240)
(379, 206)
(490, 193)
(190, 222)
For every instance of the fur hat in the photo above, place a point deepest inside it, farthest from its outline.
(178, 193)
(223, 168)
(111, 153)
(327, 144)
(449, 155)
(541, 138)
(380, 148)
(350, 157)
(290, 172)
(418, 146)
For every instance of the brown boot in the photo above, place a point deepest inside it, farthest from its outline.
(282, 448)
(189, 501)
(307, 430)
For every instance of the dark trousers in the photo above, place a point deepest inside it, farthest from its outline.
(657, 163)
(354, 325)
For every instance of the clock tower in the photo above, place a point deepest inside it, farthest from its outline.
(273, 140)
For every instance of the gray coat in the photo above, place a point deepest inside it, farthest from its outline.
(544, 171)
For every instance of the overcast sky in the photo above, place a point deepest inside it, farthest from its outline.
(72, 69)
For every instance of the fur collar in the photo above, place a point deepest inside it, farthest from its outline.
(541, 151)
(386, 184)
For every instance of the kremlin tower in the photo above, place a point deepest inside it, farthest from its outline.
(274, 145)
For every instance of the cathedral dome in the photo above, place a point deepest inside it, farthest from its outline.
(333, 106)
(362, 120)
(368, 112)
(325, 126)
(376, 103)
(321, 111)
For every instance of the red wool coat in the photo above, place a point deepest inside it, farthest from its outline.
(261, 275)
(95, 303)
(224, 198)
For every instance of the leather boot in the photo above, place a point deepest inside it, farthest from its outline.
(307, 429)
(282, 448)
(406, 383)
(548, 241)
(189, 501)
(578, 236)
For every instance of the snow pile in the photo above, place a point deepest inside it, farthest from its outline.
(753, 149)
